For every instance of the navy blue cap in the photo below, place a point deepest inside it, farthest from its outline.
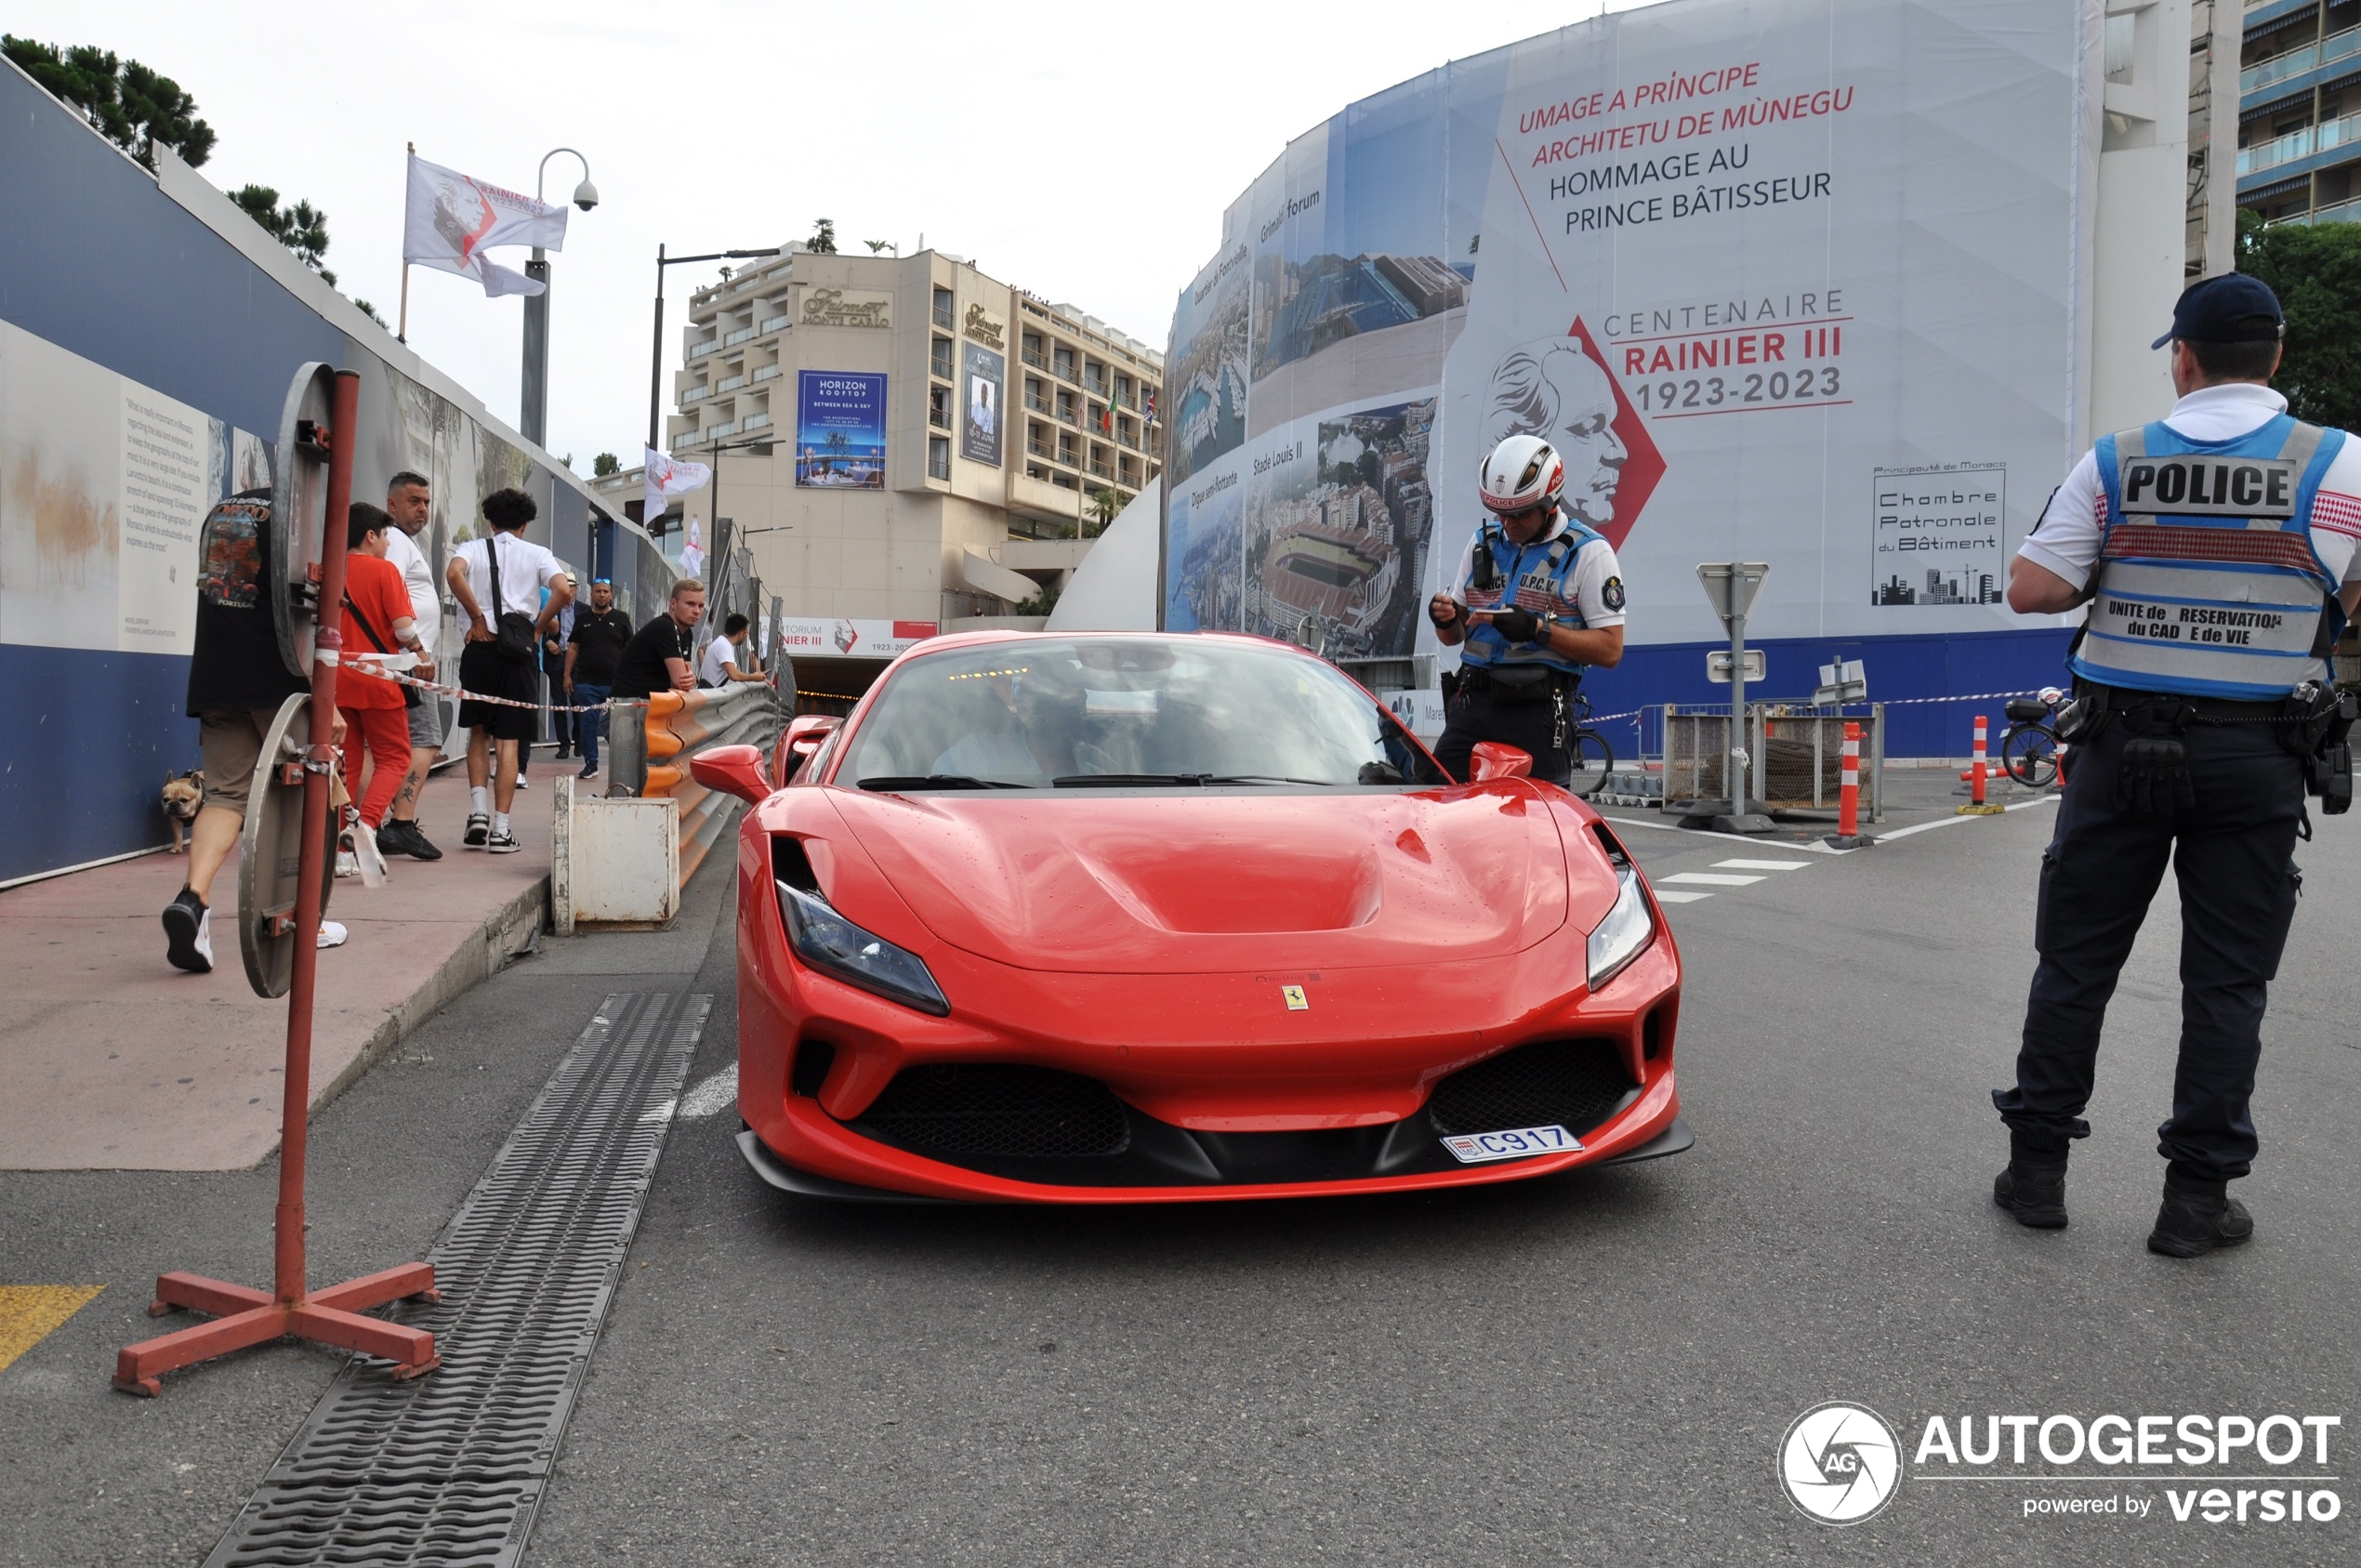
(2233, 308)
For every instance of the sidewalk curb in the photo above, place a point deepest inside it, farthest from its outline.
(506, 932)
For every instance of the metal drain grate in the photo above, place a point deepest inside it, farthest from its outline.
(448, 1469)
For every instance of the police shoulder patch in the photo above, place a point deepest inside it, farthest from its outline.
(1612, 593)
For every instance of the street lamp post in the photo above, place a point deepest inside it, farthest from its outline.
(656, 359)
(532, 417)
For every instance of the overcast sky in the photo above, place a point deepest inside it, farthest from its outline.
(1083, 153)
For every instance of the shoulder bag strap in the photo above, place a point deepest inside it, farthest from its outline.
(366, 629)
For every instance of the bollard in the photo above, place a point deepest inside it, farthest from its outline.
(1849, 793)
(1976, 806)
(1847, 834)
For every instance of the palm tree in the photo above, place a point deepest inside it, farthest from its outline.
(1105, 506)
(836, 442)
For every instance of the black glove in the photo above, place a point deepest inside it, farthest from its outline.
(1518, 625)
(1450, 619)
(2154, 778)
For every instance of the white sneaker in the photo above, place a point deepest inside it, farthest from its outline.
(347, 863)
(332, 934)
(188, 930)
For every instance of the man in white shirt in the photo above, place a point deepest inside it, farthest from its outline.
(2216, 549)
(718, 664)
(500, 661)
(409, 501)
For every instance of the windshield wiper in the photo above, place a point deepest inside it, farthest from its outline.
(1121, 781)
(890, 781)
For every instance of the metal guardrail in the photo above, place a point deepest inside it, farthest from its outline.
(649, 750)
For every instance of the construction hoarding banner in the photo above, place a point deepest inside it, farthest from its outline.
(1783, 280)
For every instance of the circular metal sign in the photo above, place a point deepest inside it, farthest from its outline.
(270, 854)
(299, 512)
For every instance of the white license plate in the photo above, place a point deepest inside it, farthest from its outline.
(1517, 1144)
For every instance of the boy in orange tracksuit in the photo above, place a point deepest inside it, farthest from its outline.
(377, 623)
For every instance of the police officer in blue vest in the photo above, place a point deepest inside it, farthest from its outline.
(1538, 597)
(2216, 550)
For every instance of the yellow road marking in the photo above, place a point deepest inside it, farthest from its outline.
(29, 1312)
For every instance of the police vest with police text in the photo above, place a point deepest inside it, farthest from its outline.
(1532, 576)
(2207, 583)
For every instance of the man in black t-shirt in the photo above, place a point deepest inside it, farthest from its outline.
(594, 650)
(237, 682)
(657, 657)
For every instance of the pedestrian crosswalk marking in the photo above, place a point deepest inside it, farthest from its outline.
(1710, 878)
(1673, 895)
(1762, 865)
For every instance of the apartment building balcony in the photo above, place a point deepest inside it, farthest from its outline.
(2335, 212)
(708, 347)
(2286, 67)
(728, 384)
(755, 422)
(732, 339)
(765, 373)
(773, 324)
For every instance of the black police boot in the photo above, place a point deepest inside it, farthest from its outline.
(2033, 1188)
(2198, 1215)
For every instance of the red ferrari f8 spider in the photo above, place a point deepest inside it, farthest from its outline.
(1129, 917)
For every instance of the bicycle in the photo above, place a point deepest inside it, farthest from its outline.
(1590, 759)
(2030, 750)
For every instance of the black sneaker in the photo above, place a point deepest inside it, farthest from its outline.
(398, 837)
(503, 844)
(2197, 1217)
(589, 770)
(478, 826)
(2034, 1194)
(188, 932)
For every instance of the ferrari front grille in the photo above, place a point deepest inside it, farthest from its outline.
(997, 1110)
(1573, 1084)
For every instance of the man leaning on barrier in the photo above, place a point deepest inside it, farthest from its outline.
(2217, 549)
(660, 655)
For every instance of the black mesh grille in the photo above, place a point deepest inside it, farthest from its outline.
(1573, 1084)
(998, 1109)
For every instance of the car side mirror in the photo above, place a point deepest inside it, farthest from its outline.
(1493, 761)
(733, 769)
(803, 738)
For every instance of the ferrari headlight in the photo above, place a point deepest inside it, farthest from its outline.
(828, 942)
(1623, 934)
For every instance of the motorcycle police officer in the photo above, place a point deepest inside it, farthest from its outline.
(1538, 597)
(2217, 552)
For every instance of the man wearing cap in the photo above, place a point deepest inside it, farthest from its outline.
(2217, 552)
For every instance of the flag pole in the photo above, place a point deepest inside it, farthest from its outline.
(401, 333)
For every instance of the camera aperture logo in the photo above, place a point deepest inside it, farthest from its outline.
(1840, 1463)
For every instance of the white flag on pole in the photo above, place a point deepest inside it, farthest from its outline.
(453, 219)
(667, 477)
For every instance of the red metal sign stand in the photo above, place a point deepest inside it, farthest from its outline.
(291, 1310)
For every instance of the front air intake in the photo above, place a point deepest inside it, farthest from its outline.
(1573, 1084)
(997, 1111)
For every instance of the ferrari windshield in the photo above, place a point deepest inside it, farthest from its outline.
(1043, 713)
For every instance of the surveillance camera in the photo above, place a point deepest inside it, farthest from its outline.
(586, 195)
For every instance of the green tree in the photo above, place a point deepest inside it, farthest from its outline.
(1107, 505)
(823, 238)
(1043, 600)
(878, 247)
(130, 105)
(2315, 271)
(604, 464)
(302, 227)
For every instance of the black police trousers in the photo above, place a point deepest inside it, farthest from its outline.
(2233, 853)
(1476, 713)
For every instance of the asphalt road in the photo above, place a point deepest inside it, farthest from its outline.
(1592, 1368)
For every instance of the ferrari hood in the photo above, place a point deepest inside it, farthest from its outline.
(1172, 882)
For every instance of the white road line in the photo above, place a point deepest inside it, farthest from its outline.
(1673, 895)
(716, 1093)
(1734, 838)
(1761, 865)
(1709, 878)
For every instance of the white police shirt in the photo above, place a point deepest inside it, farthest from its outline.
(2068, 539)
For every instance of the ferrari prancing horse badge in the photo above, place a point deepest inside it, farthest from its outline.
(1295, 1002)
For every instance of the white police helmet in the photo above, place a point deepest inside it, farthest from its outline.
(1522, 473)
